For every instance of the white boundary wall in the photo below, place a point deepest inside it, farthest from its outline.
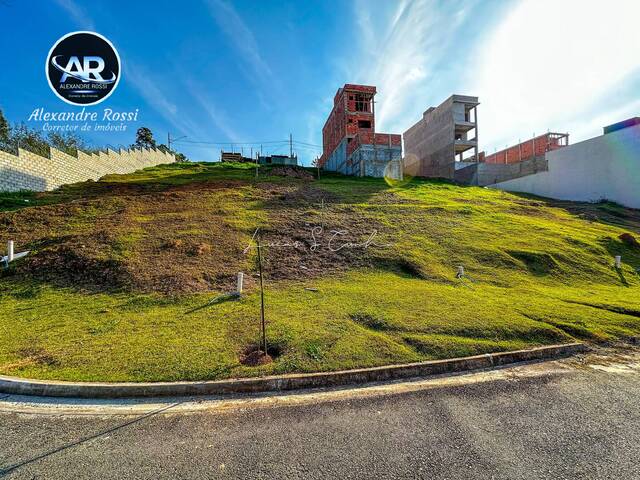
(28, 171)
(601, 168)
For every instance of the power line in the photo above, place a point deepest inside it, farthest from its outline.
(230, 143)
(203, 142)
(305, 143)
(271, 147)
(313, 149)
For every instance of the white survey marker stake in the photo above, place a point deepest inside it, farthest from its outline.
(10, 257)
(240, 282)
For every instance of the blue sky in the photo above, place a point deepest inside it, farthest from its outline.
(251, 72)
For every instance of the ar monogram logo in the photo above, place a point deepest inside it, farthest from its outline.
(83, 68)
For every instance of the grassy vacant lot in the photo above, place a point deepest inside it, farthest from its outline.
(123, 270)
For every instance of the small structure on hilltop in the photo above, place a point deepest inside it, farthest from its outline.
(291, 160)
(234, 157)
(350, 143)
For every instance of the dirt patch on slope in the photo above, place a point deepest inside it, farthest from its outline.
(289, 171)
(193, 237)
(310, 233)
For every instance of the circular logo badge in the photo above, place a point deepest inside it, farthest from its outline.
(83, 68)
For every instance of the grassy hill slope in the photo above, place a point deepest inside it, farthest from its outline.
(357, 272)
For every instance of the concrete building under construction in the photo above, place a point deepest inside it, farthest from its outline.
(444, 134)
(350, 143)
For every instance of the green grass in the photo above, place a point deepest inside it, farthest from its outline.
(538, 273)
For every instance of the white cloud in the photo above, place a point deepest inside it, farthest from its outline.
(592, 126)
(216, 115)
(158, 99)
(550, 65)
(136, 75)
(399, 53)
(536, 65)
(240, 36)
(77, 13)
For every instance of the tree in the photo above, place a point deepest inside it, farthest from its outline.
(180, 157)
(5, 131)
(144, 138)
(29, 139)
(69, 142)
(316, 164)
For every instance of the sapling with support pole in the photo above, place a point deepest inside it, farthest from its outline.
(262, 318)
(258, 354)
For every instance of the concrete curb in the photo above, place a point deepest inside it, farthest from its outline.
(19, 386)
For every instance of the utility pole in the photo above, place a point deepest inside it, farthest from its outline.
(290, 146)
(169, 140)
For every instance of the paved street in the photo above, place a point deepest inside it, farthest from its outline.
(567, 419)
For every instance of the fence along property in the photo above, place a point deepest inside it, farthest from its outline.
(29, 171)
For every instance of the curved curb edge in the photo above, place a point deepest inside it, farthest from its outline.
(19, 386)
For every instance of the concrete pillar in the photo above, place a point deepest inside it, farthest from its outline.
(475, 117)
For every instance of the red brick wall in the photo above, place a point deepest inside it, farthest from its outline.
(367, 138)
(525, 150)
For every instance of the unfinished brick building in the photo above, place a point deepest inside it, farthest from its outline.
(350, 144)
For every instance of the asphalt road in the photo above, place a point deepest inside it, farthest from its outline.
(557, 420)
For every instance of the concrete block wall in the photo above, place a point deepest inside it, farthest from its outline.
(378, 161)
(490, 173)
(336, 161)
(28, 171)
(483, 174)
(366, 160)
(429, 145)
(466, 173)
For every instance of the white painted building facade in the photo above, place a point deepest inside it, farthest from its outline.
(601, 168)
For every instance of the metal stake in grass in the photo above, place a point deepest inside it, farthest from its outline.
(257, 156)
(262, 320)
